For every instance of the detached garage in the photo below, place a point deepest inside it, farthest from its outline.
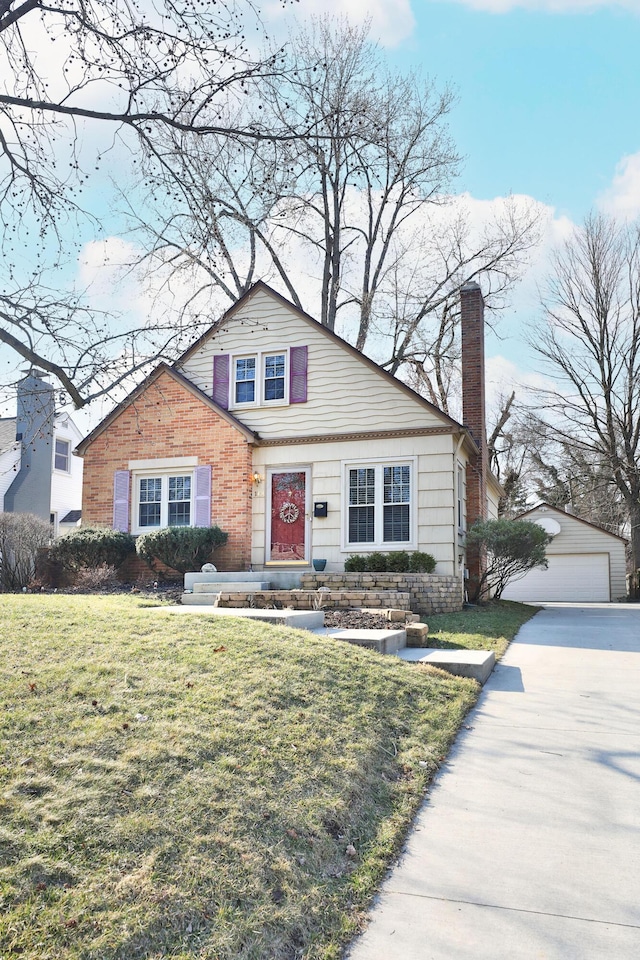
(586, 563)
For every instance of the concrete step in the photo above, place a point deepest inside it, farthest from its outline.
(476, 664)
(236, 576)
(230, 586)
(301, 619)
(382, 641)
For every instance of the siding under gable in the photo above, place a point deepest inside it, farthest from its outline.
(344, 394)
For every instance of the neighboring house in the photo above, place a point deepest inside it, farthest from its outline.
(296, 444)
(38, 473)
(586, 562)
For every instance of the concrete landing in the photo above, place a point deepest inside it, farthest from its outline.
(382, 641)
(301, 619)
(476, 664)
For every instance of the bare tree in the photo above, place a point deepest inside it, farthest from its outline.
(591, 345)
(121, 73)
(358, 195)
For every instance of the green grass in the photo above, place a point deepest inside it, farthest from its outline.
(195, 788)
(488, 627)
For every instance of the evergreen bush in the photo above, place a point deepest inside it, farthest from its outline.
(397, 562)
(183, 549)
(92, 547)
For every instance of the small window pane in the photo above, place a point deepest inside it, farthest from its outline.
(246, 380)
(150, 497)
(61, 461)
(179, 501)
(397, 484)
(362, 486)
(396, 524)
(361, 524)
(274, 367)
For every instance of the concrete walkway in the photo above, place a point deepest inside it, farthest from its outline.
(529, 844)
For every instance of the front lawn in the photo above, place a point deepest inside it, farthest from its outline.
(196, 788)
(491, 626)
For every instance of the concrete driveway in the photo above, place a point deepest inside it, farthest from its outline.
(529, 843)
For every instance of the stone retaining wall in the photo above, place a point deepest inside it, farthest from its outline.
(317, 599)
(429, 593)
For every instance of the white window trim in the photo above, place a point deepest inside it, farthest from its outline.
(379, 544)
(259, 356)
(163, 463)
(176, 470)
(461, 495)
(68, 443)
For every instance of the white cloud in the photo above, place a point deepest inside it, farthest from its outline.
(392, 21)
(622, 198)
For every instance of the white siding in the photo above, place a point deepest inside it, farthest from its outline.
(66, 488)
(434, 497)
(9, 466)
(344, 394)
(577, 538)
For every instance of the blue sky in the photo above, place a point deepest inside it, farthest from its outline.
(549, 102)
(549, 96)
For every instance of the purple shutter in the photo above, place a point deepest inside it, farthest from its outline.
(298, 375)
(221, 380)
(121, 500)
(202, 516)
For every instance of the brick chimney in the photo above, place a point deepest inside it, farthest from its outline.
(473, 410)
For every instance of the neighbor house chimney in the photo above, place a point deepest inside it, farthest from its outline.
(473, 410)
(30, 491)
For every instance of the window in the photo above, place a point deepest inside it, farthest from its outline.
(163, 501)
(260, 379)
(245, 380)
(379, 510)
(61, 455)
(274, 367)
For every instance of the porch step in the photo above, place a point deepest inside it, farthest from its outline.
(236, 576)
(382, 641)
(230, 586)
(476, 664)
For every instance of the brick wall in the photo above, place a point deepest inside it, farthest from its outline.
(167, 420)
(428, 593)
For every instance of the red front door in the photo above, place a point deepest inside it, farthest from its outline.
(287, 537)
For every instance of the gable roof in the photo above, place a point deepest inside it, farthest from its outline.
(250, 435)
(261, 286)
(7, 433)
(563, 513)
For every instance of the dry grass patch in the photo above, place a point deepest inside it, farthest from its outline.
(196, 788)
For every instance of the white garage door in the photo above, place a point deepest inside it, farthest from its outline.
(569, 576)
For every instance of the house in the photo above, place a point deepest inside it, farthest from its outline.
(586, 562)
(297, 445)
(38, 473)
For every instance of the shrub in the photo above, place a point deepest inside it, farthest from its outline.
(181, 548)
(92, 547)
(377, 562)
(95, 578)
(421, 562)
(512, 547)
(397, 562)
(21, 536)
